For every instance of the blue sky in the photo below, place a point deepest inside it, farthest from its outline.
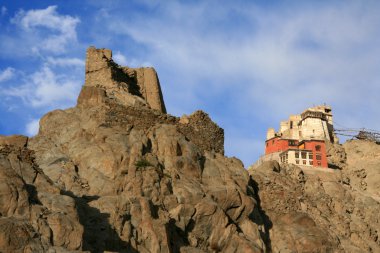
(249, 64)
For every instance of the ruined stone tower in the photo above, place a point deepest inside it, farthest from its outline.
(102, 71)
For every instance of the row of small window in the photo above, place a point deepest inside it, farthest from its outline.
(304, 162)
(304, 155)
(310, 162)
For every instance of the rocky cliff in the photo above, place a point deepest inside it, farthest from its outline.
(116, 173)
(323, 210)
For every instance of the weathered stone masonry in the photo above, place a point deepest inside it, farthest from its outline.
(102, 71)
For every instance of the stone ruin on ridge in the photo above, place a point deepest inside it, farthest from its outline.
(102, 71)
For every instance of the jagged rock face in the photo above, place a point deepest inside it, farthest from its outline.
(141, 184)
(115, 174)
(336, 155)
(363, 167)
(311, 210)
(34, 215)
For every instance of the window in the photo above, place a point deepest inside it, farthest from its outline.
(318, 157)
(297, 161)
(304, 162)
(303, 155)
(267, 144)
(291, 124)
(272, 141)
(310, 156)
(292, 143)
(311, 162)
(297, 154)
(318, 148)
(319, 163)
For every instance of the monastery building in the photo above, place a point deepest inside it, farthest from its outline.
(301, 140)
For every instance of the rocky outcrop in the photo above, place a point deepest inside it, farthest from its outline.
(322, 210)
(336, 155)
(363, 167)
(34, 214)
(115, 173)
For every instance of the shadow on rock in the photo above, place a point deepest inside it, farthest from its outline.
(98, 235)
(177, 237)
(262, 218)
(32, 194)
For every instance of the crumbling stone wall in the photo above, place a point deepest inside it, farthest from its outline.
(201, 130)
(150, 88)
(111, 84)
(102, 71)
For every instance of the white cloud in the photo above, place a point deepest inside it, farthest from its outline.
(32, 127)
(65, 62)
(3, 11)
(62, 29)
(7, 74)
(44, 88)
(316, 47)
(120, 59)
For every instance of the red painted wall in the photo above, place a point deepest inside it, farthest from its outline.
(276, 144)
(312, 145)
